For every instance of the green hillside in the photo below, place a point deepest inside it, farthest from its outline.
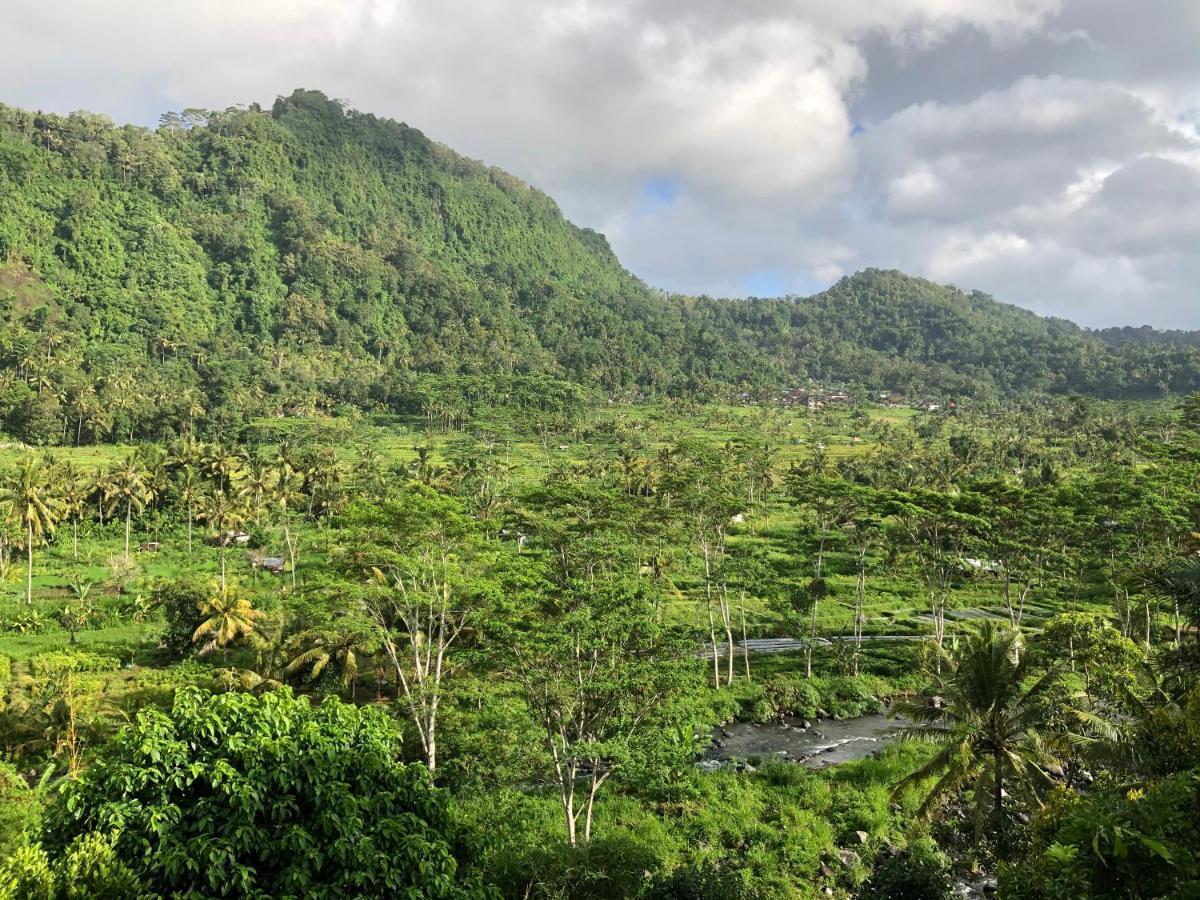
(305, 258)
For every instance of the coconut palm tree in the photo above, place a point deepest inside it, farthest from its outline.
(225, 514)
(257, 483)
(325, 647)
(191, 492)
(32, 506)
(229, 616)
(130, 484)
(73, 493)
(285, 492)
(999, 725)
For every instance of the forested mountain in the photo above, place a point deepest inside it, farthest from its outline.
(1150, 336)
(294, 260)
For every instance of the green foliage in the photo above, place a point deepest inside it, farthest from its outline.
(706, 881)
(1114, 844)
(236, 795)
(89, 869)
(918, 872)
(181, 601)
(58, 662)
(20, 810)
(338, 261)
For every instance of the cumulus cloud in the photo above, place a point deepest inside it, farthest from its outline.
(1044, 150)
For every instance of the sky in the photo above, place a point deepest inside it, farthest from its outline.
(1044, 151)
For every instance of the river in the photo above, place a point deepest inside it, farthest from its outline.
(826, 743)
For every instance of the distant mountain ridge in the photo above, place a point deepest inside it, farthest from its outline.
(306, 257)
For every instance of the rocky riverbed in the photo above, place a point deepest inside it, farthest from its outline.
(816, 743)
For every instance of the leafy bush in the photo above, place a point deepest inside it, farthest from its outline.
(56, 662)
(918, 872)
(237, 795)
(180, 601)
(20, 810)
(706, 881)
(27, 621)
(89, 869)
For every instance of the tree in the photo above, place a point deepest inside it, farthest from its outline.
(336, 647)
(227, 616)
(191, 493)
(863, 526)
(749, 570)
(265, 796)
(710, 502)
(1023, 528)
(180, 601)
(285, 491)
(32, 506)
(130, 484)
(602, 677)
(424, 599)
(1178, 582)
(937, 527)
(996, 723)
(225, 514)
(826, 499)
(73, 494)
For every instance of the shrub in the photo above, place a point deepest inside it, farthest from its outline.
(238, 795)
(89, 869)
(705, 881)
(20, 810)
(918, 872)
(180, 601)
(56, 662)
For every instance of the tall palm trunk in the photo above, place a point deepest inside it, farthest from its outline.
(29, 569)
(128, 523)
(287, 537)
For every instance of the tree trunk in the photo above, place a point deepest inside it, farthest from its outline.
(812, 640)
(128, 522)
(29, 569)
(727, 623)
(998, 798)
(860, 589)
(287, 537)
(745, 646)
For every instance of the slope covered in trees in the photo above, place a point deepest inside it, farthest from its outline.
(259, 262)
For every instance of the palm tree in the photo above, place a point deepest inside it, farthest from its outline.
(1179, 583)
(257, 483)
(130, 484)
(191, 492)
(224, 466)
(225, 514)
(324, 647)
(33, 507)
(229, 615)
(997, 723)
(284, 493)
(73, 495)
